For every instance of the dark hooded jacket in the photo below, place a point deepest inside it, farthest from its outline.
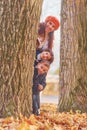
(38, 79)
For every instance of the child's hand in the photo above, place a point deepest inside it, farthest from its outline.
(40, 87)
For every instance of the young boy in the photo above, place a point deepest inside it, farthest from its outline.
(39, 83)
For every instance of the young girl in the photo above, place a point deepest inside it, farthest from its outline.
(46, 32)
(45, 54)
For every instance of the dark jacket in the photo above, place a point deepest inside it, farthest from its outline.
(38, 51)
(38, 79)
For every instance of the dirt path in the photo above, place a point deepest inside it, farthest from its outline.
(49, 99)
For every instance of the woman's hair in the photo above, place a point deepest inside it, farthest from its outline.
(50, 40)
(41, 30)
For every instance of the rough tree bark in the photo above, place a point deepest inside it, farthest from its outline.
(73, 56)
(19, 21)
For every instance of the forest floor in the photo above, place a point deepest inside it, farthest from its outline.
(49, 119)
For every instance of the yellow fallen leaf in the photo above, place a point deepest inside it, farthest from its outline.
(33, 119)
(58, 128)
(23, 126)
(1, 128)
(33, 127)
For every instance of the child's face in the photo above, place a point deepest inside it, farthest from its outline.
(45, 55)
(50, 26)
(42, 68)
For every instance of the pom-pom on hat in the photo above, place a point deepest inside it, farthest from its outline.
(54, 20)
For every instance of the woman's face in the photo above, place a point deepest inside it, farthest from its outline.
(45, 55)
(50, 26)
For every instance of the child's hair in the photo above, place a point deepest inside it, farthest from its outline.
(46, 63)
(51, 53)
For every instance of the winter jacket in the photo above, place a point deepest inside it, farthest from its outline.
(38, 51)
(38, 79)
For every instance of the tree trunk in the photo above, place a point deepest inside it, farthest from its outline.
(73, 56)
(19, 21)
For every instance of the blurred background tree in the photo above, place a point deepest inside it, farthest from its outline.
(73, 56)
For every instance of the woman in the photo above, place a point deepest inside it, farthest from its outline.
(46, 32)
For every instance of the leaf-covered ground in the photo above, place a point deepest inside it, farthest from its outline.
(49, 119)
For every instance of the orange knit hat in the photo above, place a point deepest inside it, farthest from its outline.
(54, 20)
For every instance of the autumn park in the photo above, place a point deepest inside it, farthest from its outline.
(24, 42)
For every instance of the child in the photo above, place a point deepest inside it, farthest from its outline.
(47, 28)
(46, 54)
(39, 83)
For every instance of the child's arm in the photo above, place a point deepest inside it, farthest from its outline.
(40, 87)
(42, 83)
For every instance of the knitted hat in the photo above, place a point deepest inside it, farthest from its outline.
(54, 20)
